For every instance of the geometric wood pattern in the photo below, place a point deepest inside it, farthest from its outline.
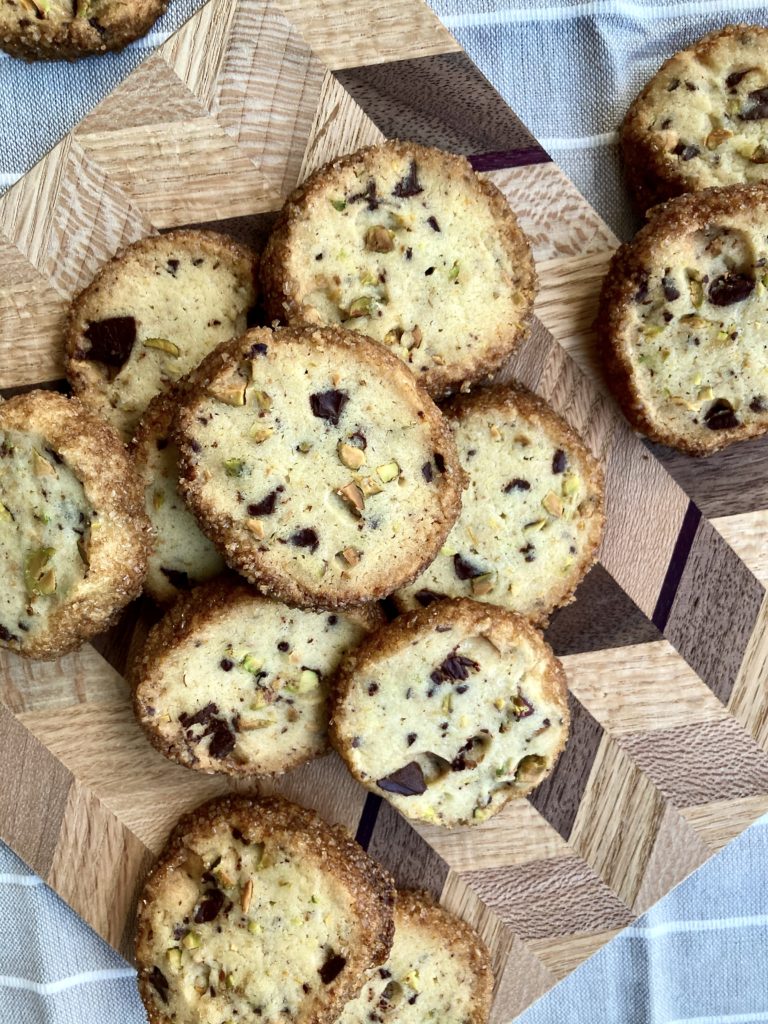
(666, 646)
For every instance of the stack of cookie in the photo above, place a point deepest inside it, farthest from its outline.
(683, 318)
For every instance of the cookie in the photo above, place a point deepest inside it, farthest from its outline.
(233, 682)
(407, 245)
(683, 320)
(150, 315)
(68, 29)
(182, 555)
(259, 910)
(314, 460)
(73, 535)
(532, 513)
(451, 711)
(438, 970)
(701, 121)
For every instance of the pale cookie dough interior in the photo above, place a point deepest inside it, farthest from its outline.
(412, 253)
(528, 517)
(324, 466)
(247, 931)
(164, 308)
(697, 331)
(711, 110)
(182, 555)
(447, 726)
(247, 691)
(430, 975)
(45, 524)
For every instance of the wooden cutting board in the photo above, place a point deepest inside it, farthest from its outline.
(666, 647)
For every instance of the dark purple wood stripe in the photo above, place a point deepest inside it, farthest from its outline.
(410, 859)
(442, 100)
(511, 158)
(62, 386)
(676, 566)
(367, 822)
(558, 798)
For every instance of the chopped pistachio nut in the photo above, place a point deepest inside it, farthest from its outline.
(249, 724)
(705, 394)
(308, 680)
(174, 957)
(158, 499)
(495, 432)
(229, 393)
(246, 895)
(256, 527)
(38, 578)
(412, 980)
(447, 704)
(499, 703)
(362, 306)
(234, 467)
(191, 940)
(254, 928)
(251, 664)
(5, 515)
(351, 457)
(697, 292)
(41, 465)
(338, 204)
(534, 527)
(553, 504)
(352, 495)
(379, 239)
(350, 555)
(483, 584)
(263, 400)
(369, 485)
(453, 273)
(530, 768)
(717, 137)
(570, 484)
(388, 472)
(260, 433)
(162, 345)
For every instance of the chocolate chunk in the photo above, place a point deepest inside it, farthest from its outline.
(720, 416)
(328, 405)
(686, 152)
(529, 551)
(439, 462)
(758, 404)
(406, 781)
(332, 968)
(223, 738)
(266, 506)
(426, 472)
(369, 195)
(673, 85)
(332, 620)
(642, 288)
(455, 666)
(671, 292)
(226, 665)
(411, 738)
(518, 484)
(201, 717)
(112, 340)
(427, 597)
(60, 462)
(465, 570)
(409, 253)
(305, 538)
(373, 689)
(96, 24)
(7, 635)
(429, 272)
(730, 288)
(409, 185)
(259, 349)
(161, 444)
(735, 77)
(173, 266)
(159, 983)
(432, 221)
(759, 109)
(176, 577)
(209, 906)
(284, 646)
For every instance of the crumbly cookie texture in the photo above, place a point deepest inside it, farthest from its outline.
(407, 245)
(452, 711)
(702, 120)
(182, 555)
(150, 315)
(439, 970)
(683, 320)
(73, 535)
(314, 460)
(532, 513)
(232, 682)
(68, 29)
(259, 910)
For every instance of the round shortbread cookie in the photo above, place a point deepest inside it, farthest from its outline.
(438, 970)
(150, 315)
(683, 320)
(451, 711)
(314, 460)
(68, 29)
(407, 245)
(232, 682)
(182, 555)
(531, 516)
(702, 119)
(73, 535)
(259, 910)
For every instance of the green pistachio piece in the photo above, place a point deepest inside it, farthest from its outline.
(484, 584)
(162, 345)
(308, 680)
(251, 664)
(453, 273)
(362, 306)
(191, 940)
(338, 204)
(41, 466)
(388, 472)
(174, 957)
(5, 515)
(38, 579)
(234, 467)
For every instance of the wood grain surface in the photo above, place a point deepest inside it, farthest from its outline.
(665, 646)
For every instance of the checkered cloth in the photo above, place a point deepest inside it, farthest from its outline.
(569, 69)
